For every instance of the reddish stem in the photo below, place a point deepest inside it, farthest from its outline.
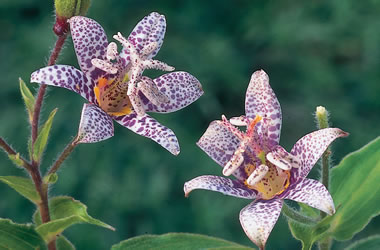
(42, 188)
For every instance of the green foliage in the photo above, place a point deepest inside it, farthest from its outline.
(178, 241)
(64, 212)
(40, 144)
(29, 99)
(19, 236)
(64, 244)
(23, 186)
(16, 159)
(69, 8)
(355, 191)
(370, 243)
(51, 178)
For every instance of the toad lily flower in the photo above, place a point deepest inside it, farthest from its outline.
(264, 170)
(113, 83)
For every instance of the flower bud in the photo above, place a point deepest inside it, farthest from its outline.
(322, 117)
(66, 9)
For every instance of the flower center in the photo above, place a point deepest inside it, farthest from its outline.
(273, 183)
(112, 96)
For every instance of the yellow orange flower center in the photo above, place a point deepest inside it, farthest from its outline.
(112, 96)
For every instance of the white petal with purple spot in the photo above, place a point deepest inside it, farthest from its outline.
(181, 88)
(261, 100)
(219, 184)
(311, 147)
(259, 218)
(90, 41)
(312, 193)
(220, 144)
(149, 127)
(66, 77)
(95, 125)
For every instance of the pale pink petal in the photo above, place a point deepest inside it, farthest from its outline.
(219, 184)
(261, 100)
(66, 77)
(259, 218)
(95, 125)
(149, 127)
(90, 41)
(311, 147)
(181, 88)
(312, 193)
(220, 144)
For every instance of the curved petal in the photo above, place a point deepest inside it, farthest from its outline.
(90, 41)
(219, 184)
(151, 29)
(310, 148)
(95, 125)
(220, 144)
(149, 127)
(259, 218)
(67, 77)
(181, 88)
(312, 193)
(261, 100)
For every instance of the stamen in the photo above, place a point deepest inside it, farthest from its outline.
(137, 104)
(257, 175)
(252, 125)
(149, 48)
(111, 51)
(151, 91)
(155, 64)
(234, 163)
(104, 65)
(282, 159)
(239, 121)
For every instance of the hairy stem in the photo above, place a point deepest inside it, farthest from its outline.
(66, 152)
(9, 150)
(42, 188)
(41, 91)
(297, 216)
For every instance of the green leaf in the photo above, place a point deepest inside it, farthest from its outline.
(19, 236)
(16, 160)
(23, 186)
(64, 212)
(177, 241)
(370, 243)
(302, 233)
(356, 194)
(51, 178)
(42, 137)
(29, 99)
(356, 191)
(63, 243)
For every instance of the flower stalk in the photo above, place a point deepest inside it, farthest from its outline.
(297, 216)
(66, 152)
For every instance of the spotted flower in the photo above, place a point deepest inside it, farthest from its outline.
(113, 83)
(264, 170)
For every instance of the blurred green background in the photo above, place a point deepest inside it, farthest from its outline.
(316, 53)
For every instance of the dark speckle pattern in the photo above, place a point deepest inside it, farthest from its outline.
(311, 147)
(222, 140)
(95, 125)
(90, 41)
(150, 29)
(181, 88)
(259, 218)
(312, 193)
(66, 77)
(219, 184)
(261, 100)
(149, 127)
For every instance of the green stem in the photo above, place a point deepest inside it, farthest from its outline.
(325, 244)
(297, 216)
